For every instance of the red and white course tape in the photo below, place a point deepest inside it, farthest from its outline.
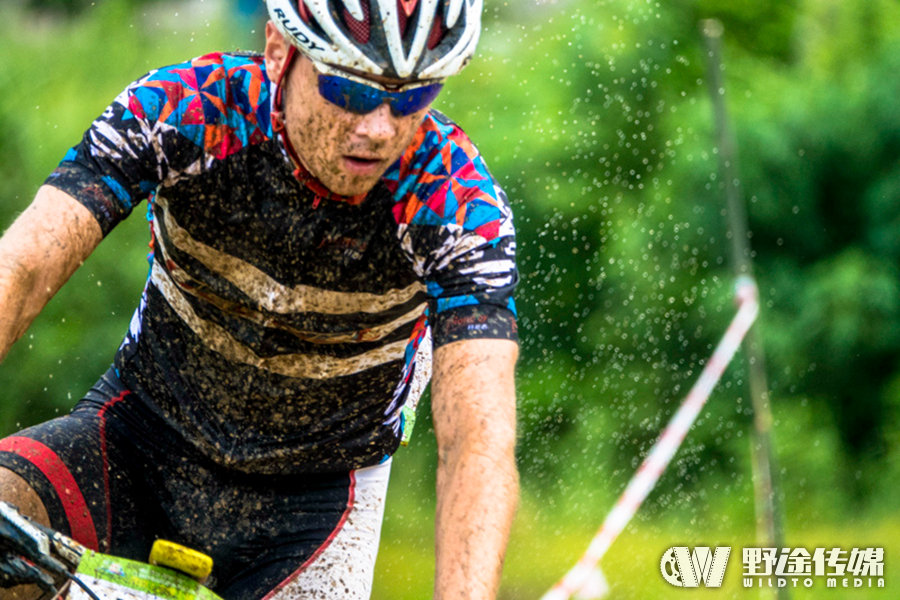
(582, 579)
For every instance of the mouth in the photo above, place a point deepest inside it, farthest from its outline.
(362, 165)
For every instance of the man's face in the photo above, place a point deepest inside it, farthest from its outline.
(347, 152)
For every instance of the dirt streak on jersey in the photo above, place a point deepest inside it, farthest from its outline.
(278, 332)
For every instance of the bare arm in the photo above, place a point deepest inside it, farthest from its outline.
(473, 399)
(38, 254)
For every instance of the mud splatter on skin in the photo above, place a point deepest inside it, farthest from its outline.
(324, 134)
(41, 250)
(253, 257)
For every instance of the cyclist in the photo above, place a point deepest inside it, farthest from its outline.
(316, 229)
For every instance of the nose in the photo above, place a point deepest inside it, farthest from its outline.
(377, 125)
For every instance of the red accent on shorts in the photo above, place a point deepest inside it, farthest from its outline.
(351, 497)
(103, 452)
(55, 470)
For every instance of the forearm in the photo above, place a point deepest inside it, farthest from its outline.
(477, 496)
(38, 253)
(477, 481)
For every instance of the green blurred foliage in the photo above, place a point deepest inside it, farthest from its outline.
(596, 119)
(59, 75)
(601, 128)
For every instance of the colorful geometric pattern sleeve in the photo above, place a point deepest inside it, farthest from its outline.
(456, 226)
(164, 125)
(117, 164)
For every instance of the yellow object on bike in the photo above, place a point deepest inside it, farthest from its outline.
(175, 556)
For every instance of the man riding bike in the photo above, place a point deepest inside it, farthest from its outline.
(317, 230)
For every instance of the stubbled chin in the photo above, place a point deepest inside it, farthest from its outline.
(340, 182)
(352, 186)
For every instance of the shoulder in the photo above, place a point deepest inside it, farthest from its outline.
(440, 149)
(214, 90)
(443, 180)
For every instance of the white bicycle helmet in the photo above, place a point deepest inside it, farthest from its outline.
(399, 39)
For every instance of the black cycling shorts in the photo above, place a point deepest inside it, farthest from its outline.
(115, 477)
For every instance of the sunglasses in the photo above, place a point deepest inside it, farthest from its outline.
(361, 96)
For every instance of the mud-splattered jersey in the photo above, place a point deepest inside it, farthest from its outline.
(279, 332)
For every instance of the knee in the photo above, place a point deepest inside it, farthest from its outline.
(18, 492)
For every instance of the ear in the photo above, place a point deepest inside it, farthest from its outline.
(276, 51)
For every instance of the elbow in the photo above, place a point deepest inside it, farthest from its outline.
(20, 281)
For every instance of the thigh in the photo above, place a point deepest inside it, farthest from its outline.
(82, 474)
(60, 460)
(309, 537)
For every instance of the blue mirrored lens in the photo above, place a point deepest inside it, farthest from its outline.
(362, 99)
(350, 95)
(410, 101)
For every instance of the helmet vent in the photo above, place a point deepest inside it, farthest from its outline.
(303, 11)
(405, 10)
(359, 29)
(407, 6)
(437, 32)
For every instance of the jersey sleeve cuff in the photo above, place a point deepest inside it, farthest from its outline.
(475, 321)
(92, 192)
